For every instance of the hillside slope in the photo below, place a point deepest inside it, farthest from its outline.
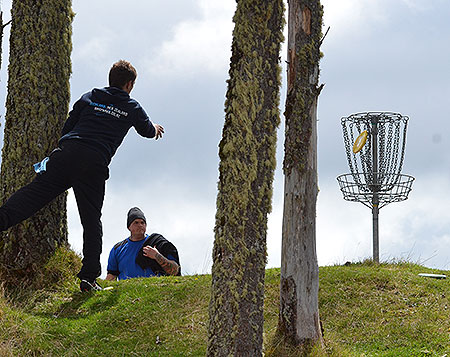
(385, 310)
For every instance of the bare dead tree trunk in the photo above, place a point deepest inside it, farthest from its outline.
(299, 322)
(247, 163)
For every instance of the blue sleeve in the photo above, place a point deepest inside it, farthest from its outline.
(113, 267)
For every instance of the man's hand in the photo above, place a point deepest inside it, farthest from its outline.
(150, 252)
(111, 277)
(159, 131)
(169, 266)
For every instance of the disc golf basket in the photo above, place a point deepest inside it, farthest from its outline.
(375, 148)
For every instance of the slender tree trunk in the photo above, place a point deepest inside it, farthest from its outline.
(247, 163)
(37, 106)
(299, 313)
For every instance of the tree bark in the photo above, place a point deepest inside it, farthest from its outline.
(247, 163)
(37, 106)
(299, 322)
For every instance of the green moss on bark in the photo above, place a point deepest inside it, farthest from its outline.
(247, 163)
(37, 106)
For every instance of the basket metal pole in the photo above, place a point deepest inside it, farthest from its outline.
(375, 190)
(376, 244)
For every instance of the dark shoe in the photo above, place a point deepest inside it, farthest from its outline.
(89, 286)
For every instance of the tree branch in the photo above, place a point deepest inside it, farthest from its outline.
(3, 26)
(323, 38)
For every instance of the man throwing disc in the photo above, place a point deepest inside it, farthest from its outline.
(95, 128)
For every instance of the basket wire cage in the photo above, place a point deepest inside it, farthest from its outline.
(375, 148)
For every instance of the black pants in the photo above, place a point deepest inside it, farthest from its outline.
(73, 165)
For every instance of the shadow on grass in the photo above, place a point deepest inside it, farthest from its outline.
(80, 305)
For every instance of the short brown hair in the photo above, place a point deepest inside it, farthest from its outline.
(121, 73)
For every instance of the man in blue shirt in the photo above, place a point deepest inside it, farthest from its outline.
(138, 255)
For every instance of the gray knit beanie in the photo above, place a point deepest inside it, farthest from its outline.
(135, 213)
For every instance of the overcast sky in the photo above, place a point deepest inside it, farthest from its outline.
(379, 55)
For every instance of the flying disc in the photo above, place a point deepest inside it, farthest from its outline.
(360, 142)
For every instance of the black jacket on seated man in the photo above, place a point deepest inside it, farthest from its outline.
(164, 247)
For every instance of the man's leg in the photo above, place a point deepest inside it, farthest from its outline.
(89, 194)
(32, 197)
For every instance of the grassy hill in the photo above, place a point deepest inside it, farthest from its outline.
(366, 310)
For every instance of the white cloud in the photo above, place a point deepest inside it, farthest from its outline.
(343, 228)
(95, 50)
(198, 46)
(347, 15)
(274, 228)
(359, 17)
(419, 5)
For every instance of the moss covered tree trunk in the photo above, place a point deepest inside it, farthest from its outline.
(37, 106)
(247, 163)
(299, 313)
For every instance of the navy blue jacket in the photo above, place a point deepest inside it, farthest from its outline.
(101, 118)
